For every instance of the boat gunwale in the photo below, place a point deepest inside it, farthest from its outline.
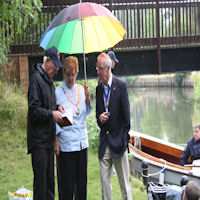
(178, 169)
(154, 139)
(185, 169)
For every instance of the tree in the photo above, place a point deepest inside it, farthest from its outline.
(15, 14)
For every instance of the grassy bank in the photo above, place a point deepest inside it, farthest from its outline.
(15, 164)
(16, 172)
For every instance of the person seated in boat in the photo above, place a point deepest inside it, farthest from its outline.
(190, 191)
(193, 147)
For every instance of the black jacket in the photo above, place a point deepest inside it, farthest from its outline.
(41, 103)
(115, 131)
(192, 149)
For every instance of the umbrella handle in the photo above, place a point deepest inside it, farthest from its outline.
(84, 62)
(88, 100)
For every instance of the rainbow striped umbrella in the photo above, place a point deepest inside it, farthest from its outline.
(83, 28)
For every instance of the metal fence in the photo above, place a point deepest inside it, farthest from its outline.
(149, 24)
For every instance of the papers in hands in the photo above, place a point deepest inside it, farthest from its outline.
(67, 118)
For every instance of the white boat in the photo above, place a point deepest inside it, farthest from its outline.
(163, 160)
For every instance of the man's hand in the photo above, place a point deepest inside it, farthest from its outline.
(103, 117)
(57, 116)
(62, 108)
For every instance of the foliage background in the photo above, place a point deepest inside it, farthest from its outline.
(14, 15)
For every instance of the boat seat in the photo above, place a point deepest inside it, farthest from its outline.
(196, 167)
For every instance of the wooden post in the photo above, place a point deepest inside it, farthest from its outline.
(184, 180)
(145, 168)
(162, 177)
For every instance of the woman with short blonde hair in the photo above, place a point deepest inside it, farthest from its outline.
(71, 62)
(71, 142)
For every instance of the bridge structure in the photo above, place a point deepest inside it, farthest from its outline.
(162, 36)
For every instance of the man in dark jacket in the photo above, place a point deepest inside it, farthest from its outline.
(113, 118)
(193, 147)
(42, 114)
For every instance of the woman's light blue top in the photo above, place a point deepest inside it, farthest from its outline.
(75, 137)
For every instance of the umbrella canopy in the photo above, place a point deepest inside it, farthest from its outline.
(83, 28)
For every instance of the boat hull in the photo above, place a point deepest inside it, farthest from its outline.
(172, 172)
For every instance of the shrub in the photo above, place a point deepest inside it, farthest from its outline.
(92, 83)
(93, 131)
(129, 80)
(13, 115)
(197, 86)
(179, 77)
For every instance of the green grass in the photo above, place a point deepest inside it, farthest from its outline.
(15, 164)
(94, 184)
(16, 171)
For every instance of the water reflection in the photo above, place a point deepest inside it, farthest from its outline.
(164, 113)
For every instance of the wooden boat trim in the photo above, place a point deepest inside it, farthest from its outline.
(164, 147)
(157, 140)
(157, 147)
(155, 143)
(157, 160)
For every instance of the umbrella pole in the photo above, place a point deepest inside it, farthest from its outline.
(84, 67)
(84, 62)
(85, 86)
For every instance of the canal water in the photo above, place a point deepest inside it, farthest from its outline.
(165, 113)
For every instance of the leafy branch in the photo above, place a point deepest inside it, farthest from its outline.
(15, 14)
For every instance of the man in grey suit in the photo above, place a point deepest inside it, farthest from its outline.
(113, 118)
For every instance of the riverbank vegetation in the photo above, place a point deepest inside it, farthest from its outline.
(196, 80)
(15, 164)
(15, 17)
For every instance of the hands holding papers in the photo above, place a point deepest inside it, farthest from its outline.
(67, 118)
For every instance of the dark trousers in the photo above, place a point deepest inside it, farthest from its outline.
(43, 171)
(72, 175)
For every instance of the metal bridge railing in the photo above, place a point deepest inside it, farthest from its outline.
(149, 24)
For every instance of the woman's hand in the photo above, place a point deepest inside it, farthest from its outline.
(56, 146)
(87, 94)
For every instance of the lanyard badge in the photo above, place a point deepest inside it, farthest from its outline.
(106, 98)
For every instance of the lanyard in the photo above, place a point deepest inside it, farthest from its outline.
(75, 104)
(106, 97)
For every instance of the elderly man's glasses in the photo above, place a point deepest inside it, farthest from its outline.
(100, 68)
